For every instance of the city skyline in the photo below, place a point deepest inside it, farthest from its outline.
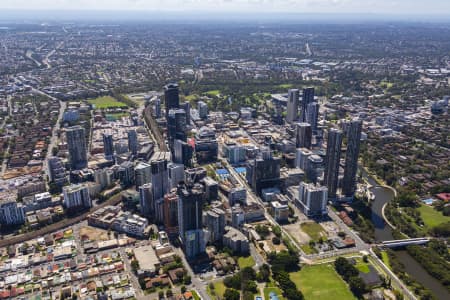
(384, 7)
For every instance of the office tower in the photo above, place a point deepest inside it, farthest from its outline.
(176, 126)
(215, 223)
(76, 143)
(333, 156)
(176, 174)
(292, 105)
(126, 174)
(157, 108)
(11, 212)
(312, 199)
(211, 189)
(108, 145)
(171, 212)
(301, 158)
(190, 224)
(146, 200)
(314, 167)
(183, 153)
(160, 181)
(312, 115)
(76, 196)
(263, 172)
(202, 108)
(171, 97)
(206, 146)
(234, 153)
(351, 157)
(132, 141)
(142, 174)
(56, 171)
(303, 135)
(186, 106)
(307, 97)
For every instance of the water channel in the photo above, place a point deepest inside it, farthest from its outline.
(383, 232)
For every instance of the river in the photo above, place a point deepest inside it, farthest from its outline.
(383, 232)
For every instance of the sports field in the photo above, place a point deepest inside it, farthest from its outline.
(106, 102)
(432, 217)
(321, 282)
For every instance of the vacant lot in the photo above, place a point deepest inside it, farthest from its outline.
(321, 282)
(93, 234)
(314, 230)
(106, 102)
(246, 262)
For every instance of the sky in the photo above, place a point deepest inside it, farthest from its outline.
(403, 7)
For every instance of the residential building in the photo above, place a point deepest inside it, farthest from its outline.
(312, 199)
(351, 157)
(333, 156)
(126, 174)
(11, 212)
(312, 115)
(171, 201)
(76, 196)
(76, 143)
(133, 145)
(307, 97)
(202, 110)
(183, 153)
(236, 240)
(171, 97)
(146, 200)
(176, 174)
(215, 223)
(142, 174)
(263, 172)
(108, 145)
(56, 171)
(160, 181)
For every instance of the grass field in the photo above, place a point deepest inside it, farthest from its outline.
(385, 259)
(213, 93)
(195, 295)
(268, 290)
(246, 262)
(314, 230)
(362, 266)
(106, 102)
(285, 86)
(308, 249)
(321, 282)
(219, 290)
(432, 217)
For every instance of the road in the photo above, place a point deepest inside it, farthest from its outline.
(197, 283)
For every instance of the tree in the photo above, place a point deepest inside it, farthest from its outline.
(293, 294)
(183, 289)
(161, 295)
(357, 286)
(187, 279)
(231, 294)
(169, 293)
(134, 265)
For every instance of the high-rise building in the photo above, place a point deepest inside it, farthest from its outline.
(312, 199)
(190, 207)
(202, 110)
(183, 153)
(176, 126)
(76, 143)
(104, 177)
(234, 153)
(292, 105)
(108, 145)
(126, 174)
(263, 172)
(314, 168)
(160, 181)
(176, 174)
(56, 171)
(303, 135)
(171, 97)
(142, 174)
(77, 196)
(331, 177)
(132, 141)
(301, 158)
(11, 212)
(157, 108)
(351, 157)
(215, 223)
(171, 212)
(186, 106)
(307, 97)
(146, 200)
(312, 114)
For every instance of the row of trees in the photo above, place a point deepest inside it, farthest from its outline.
(282, 263)
(350, 274)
